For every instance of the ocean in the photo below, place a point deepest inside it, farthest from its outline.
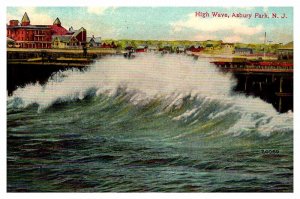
(154, 123)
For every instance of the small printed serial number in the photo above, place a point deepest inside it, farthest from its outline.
(270, 151)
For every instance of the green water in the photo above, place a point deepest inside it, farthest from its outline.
(107, 144)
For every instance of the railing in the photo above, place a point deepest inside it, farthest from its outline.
(254, 65)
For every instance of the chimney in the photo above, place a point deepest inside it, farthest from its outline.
(13, 22)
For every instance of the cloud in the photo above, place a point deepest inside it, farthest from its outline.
(233, 38)
(234, 25)
(98, 10)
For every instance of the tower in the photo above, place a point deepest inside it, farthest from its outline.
(25, 20)
(57, 22)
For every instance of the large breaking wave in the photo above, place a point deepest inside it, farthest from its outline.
(173, 80)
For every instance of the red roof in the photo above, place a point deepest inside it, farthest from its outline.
(140, 50)
(282, 64)
(58, 30)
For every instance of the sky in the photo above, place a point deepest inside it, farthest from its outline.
(167, 23)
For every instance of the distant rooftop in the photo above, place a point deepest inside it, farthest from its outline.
(62, 38)
(29, 27)
(95, 39)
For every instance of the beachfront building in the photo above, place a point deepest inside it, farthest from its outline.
(78, 38)
(74, 39)
(243, 51)
(195, 48)
(166, 48)
(58, 29)
(286, 52)
(180, 49)
(227, 48)
(63, 41)
(152, 48)
(94, 41)
(141, 48)
(107, 45)
(26, 35)
(209, 47)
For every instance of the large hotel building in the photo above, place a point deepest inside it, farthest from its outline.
(26, 35)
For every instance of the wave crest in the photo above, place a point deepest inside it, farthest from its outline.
(173, 78)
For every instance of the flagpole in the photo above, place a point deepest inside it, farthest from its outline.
(265, 45)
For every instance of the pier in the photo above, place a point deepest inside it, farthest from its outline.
(60, 57)
(272, 81)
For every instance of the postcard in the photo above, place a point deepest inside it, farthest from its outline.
(149, 99)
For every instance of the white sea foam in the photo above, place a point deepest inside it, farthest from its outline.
(149, 76)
